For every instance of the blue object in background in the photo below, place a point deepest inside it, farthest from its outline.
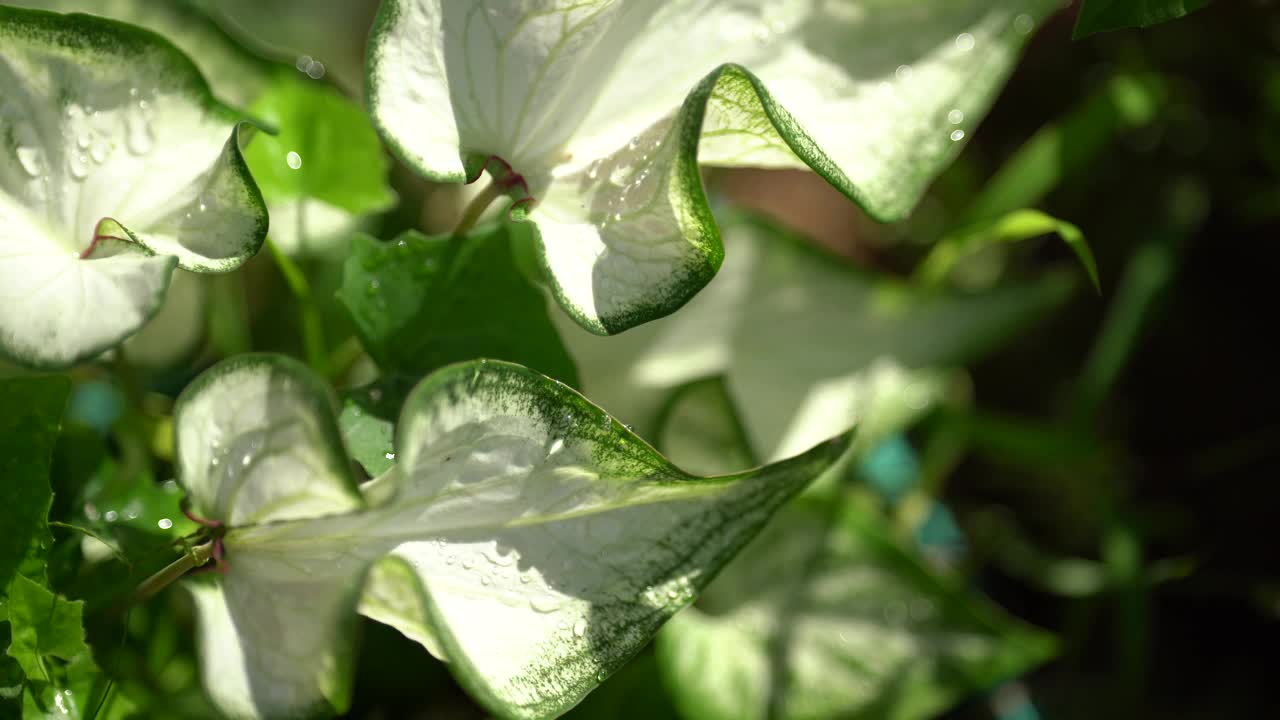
(96, 405)
(891, 468)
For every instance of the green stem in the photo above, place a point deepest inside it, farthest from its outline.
(199, 555)
(471, 214)
(312, 327)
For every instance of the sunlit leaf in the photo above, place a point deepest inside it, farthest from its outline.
(600, 112)
(118, 166)
(235, 75)
(1104, 15)
(30, 419)
(546, 542)
(422, 302)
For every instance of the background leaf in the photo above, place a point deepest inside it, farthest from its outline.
(1104, 15)
(30, 419)
(421, 302)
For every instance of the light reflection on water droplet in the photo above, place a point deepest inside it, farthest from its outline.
(165, 523)
(29, 159)
(904, 72)
(1024, 24)
(955, 117)
(293, 159)
(580, 628)
(79, 166)
(964, 42)
(957, 135)
(468, 563)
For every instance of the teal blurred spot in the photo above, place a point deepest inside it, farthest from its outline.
(96, 405)
(891, 467)
(939, 535)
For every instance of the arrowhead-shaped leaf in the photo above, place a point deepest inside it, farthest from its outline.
(117, 166)
(542, 543)
(601, 111)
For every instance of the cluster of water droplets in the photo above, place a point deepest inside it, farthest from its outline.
(93, 135)
(632, 175)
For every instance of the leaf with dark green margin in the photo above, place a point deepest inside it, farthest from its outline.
(30, 419)
(542, 543)
(420, 303)
(119, 167)
(43, 624)
(825, 616)
(606, 109)
(325, 165)
(1106, 15)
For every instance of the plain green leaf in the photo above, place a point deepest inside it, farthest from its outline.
(606, 110)
(30, 419)
(421, 302)
(825, 616)
(1015, 227)
(531, 527)
(368, 421)
(43, 624)
(1105, 15)
(323, 164)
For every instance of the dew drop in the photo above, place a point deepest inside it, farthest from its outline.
(304, 62)
(316, 70)
(293, 159)
(389, 456)
(450, 560)
(594, 171)
(635, 143)
(29, 159)
(83, 141)
(1024, 24)
(955, 117)
(79, 166)
(100, 150)
(111, 516)
(600, 676)
(957, 135)
(964, 42)
(904, 72)
(165, 523)
(580, 628)
(468, 563)
(524, 578)
(484, 580)
(543, 604)
(139, 137)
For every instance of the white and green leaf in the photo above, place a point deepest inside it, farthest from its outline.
(540, 543)
(605, 109)
(884, 342)
(117, 166)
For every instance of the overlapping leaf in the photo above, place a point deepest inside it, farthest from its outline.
(599, 113)
(118, 166)
(544, 542)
